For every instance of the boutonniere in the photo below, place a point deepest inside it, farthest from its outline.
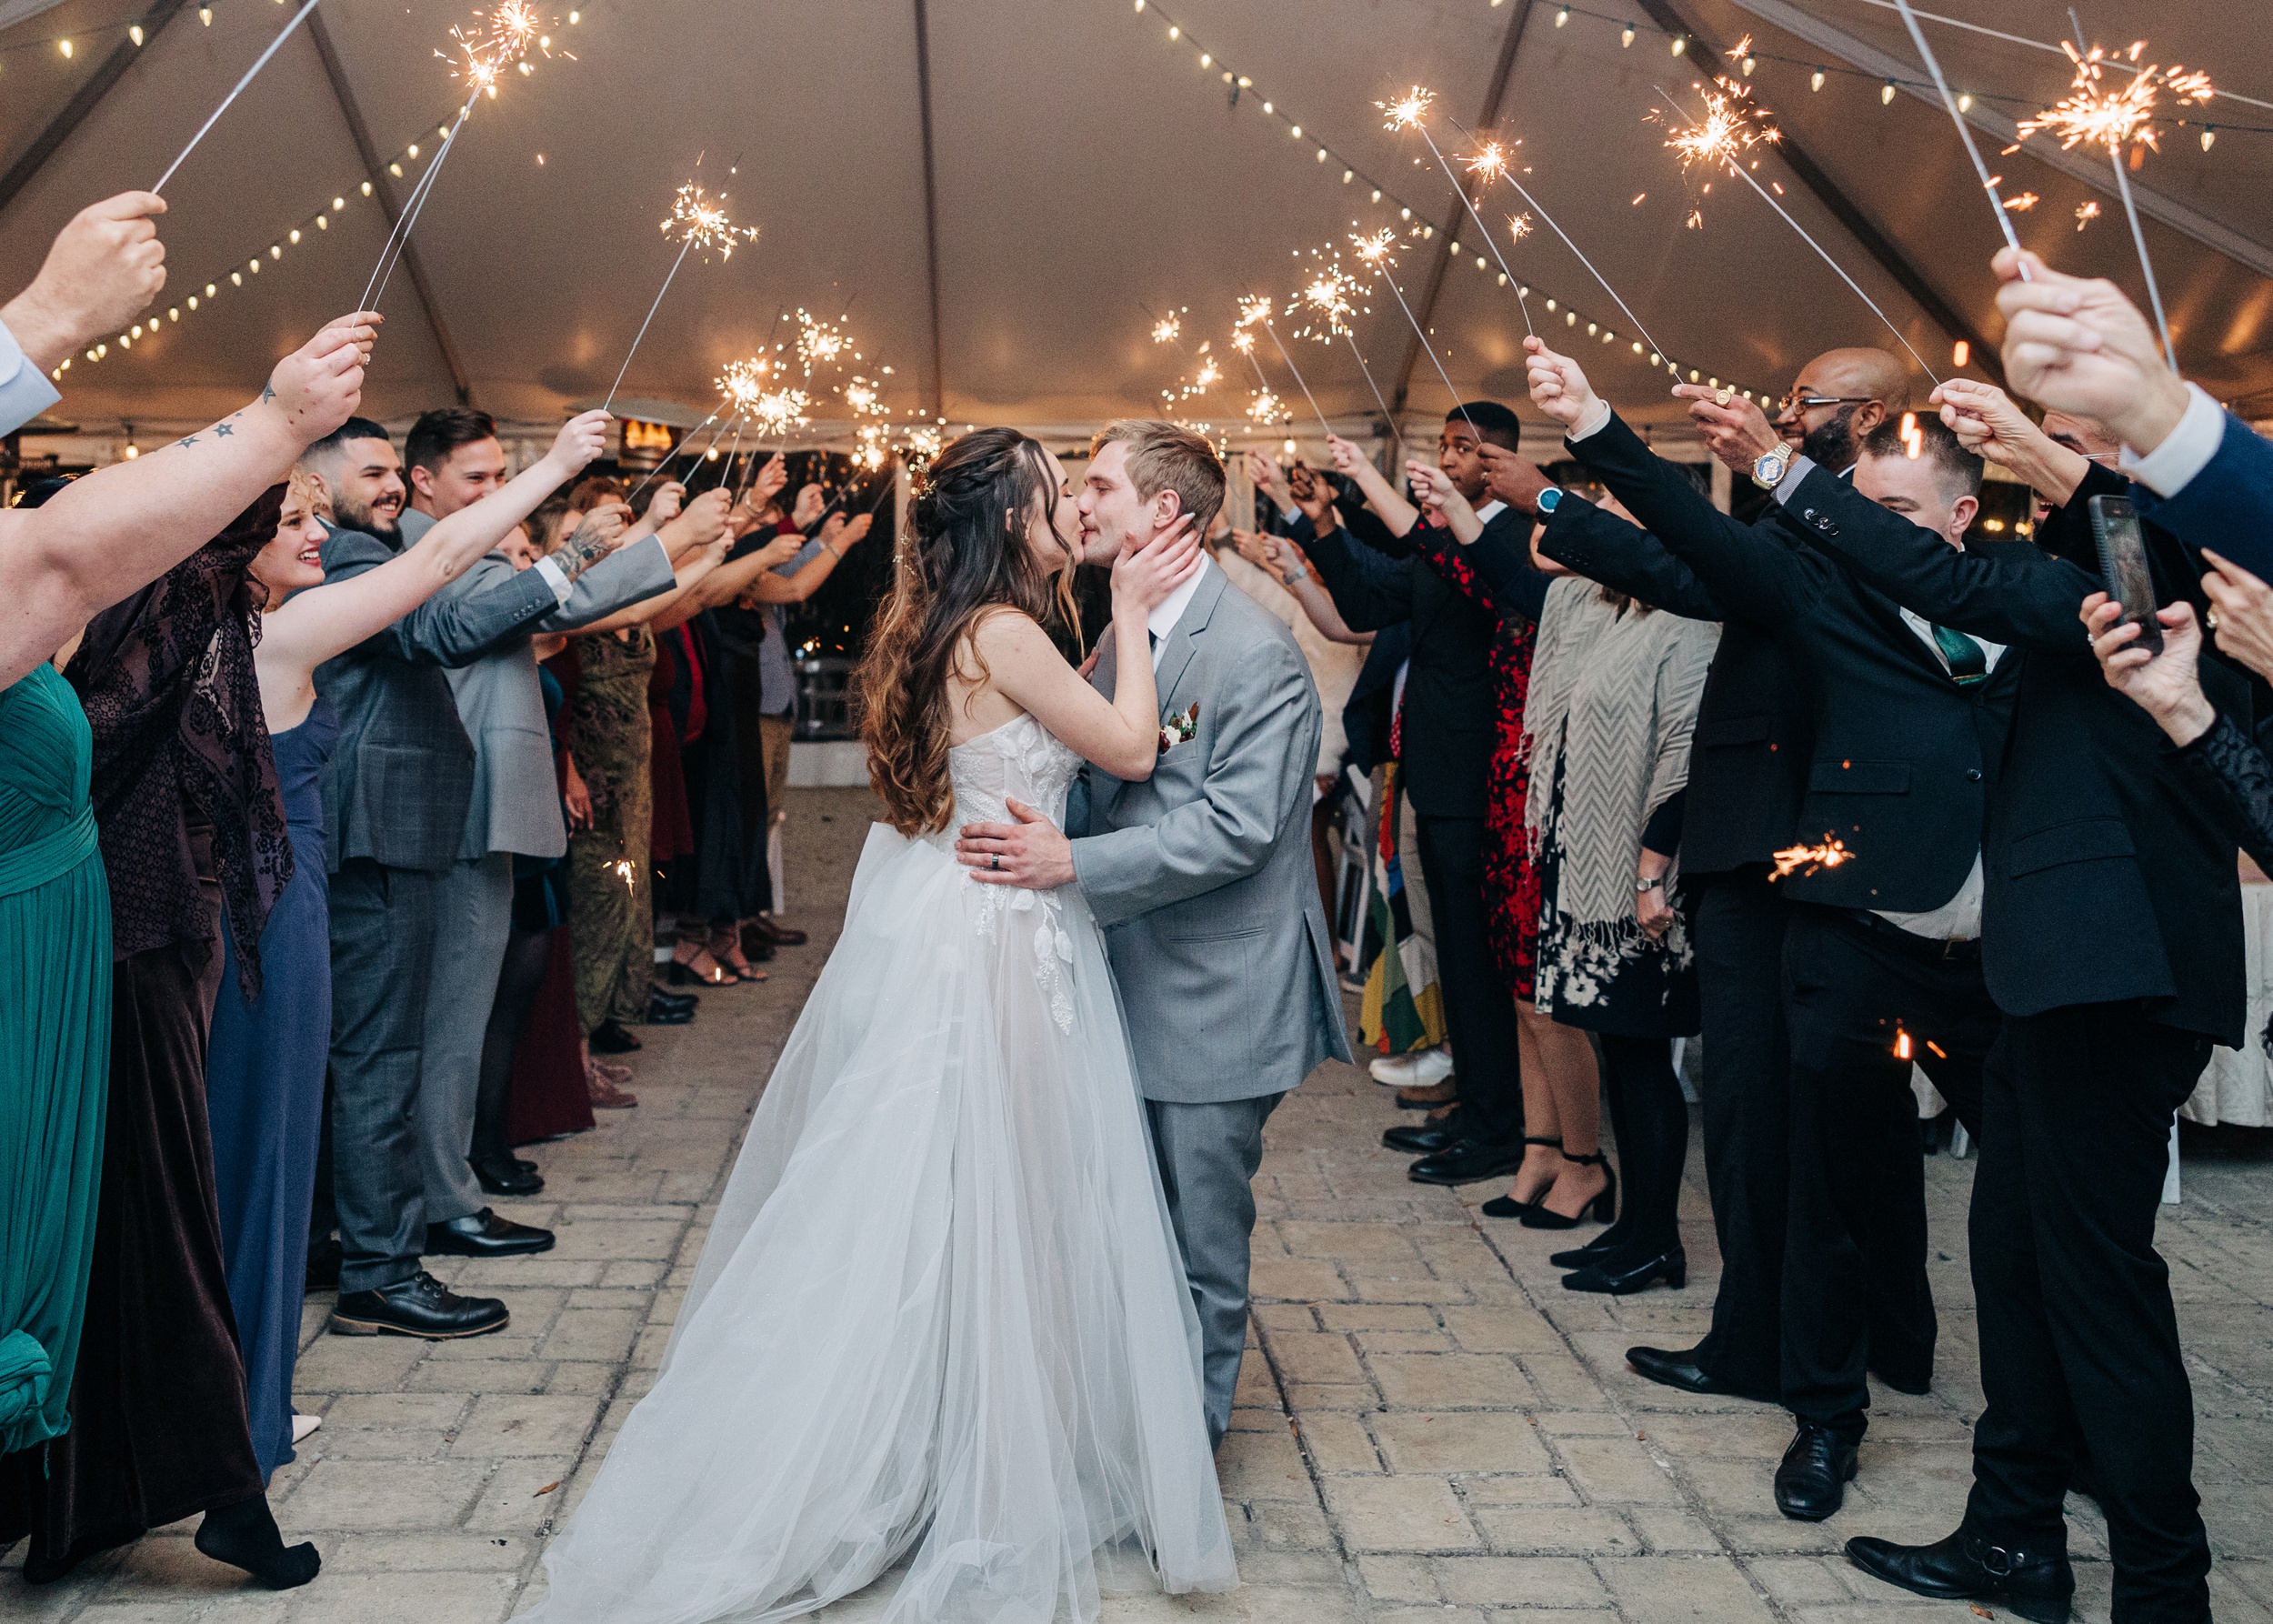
(1176, 729)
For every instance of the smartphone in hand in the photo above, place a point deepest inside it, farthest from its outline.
(2123, 565)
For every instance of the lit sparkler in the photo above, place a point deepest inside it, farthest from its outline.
(2023, 203)
(1728, 143)
(1408, 114)
(628, 872)
(2086, 213)
(1336, 296)
(1255, 310)
(1374, 251)
(1964, 130)
(699, 221)
(1732, 126)
(1805, 860)
(2121, 120)
(777, 411)
(1519, 226)
(1267, 407)
(1167, 329)
(818, 342)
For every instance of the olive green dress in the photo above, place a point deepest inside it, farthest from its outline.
(611, 914)
(56, 1032)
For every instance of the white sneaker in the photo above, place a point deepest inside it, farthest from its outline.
(303, 1425)
(1421, 1070)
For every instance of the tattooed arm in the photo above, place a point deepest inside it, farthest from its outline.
(122, 526)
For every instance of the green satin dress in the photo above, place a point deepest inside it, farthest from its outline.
(55, 1048)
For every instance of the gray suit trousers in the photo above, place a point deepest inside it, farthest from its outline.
(382, 941)
(1207, 1155)
(474, 906)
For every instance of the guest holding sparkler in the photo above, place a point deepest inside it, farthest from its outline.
(1444, 737)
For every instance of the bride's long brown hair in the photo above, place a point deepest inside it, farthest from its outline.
(965, 554)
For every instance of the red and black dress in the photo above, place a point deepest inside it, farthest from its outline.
(1511, 888)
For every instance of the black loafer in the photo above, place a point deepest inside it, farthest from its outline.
(1679, 1369)
(1602, 1276)
(668, 1015)
(1424, 1138)
(1467, 1161)
(419, 1306)
(1811, 1479)
(2036, 1585)
(609, 1037)
(505, 1176)
(486, 1235)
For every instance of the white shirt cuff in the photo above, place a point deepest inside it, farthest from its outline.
(557, 578)
(1594, 421)
(25, 391)
(2184, 451)
(1290, 512)
(1789, 487)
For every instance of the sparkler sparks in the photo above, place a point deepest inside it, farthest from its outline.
(1167, 329)
(1243, 342)
(1491, 162)
(1253, 308)
(1805, 860)
(1733, 125)
(1332, 295)
(2092, 114)
(1409, 110)
(627, 871)
(700, 221)
(777, 410)
(2086, 213)
(741, 383)
(2022, 204)
(1267, 407)
(1519, 226)
(1373, 249)
(818, 341)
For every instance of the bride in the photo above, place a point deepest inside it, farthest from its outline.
(940, 1316)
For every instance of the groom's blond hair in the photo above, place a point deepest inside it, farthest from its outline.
(1166, 457)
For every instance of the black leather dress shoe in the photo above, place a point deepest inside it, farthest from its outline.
(419, 1306)
(672, 1000)
(1679, 1369)
(1424, 1138)
(2036, 1585)
(1467, 1161)
(660, 1014)
(486, 1235)
(609, 1037)
(505, 1176)
(1811, 1479)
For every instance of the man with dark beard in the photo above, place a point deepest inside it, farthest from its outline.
(1748, 778)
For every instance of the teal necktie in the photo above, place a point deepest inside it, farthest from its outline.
(1968, 662)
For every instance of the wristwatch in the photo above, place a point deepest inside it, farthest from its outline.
(1548, 498)
(1769, 472)
(1656, 882)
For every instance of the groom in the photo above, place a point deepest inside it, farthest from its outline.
(1201, 876)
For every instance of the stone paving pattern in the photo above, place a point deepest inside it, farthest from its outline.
(1430, 1428)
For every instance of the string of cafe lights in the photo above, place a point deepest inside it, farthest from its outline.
(1239, 86)
(309, 229)
(68, 46)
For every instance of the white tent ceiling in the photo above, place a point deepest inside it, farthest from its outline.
(1084, 170)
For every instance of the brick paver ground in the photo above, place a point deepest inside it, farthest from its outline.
(1430, 1428)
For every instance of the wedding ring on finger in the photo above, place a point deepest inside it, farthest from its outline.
(995, 861)
(1724, 396)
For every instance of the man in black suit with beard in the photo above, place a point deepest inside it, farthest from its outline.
(1882, 959)
(1748, 777)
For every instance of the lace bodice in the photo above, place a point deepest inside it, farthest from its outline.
(1019, 760)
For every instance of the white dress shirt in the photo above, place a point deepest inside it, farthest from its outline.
(25, 391)
(1170, 610)
(1960, 918)
(2184, 451)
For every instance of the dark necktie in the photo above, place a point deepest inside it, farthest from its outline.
(1968, 662)
(1152, 638)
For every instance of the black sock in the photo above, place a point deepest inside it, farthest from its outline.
(245, 1534)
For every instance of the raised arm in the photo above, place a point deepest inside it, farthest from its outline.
(121, 528)
(1366, 598)
(102, 269)
(1394, 511)
(837, 536)
(314, 625)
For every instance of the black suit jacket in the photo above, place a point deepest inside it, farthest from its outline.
(1748, 758)
(1450, 719)
(2110, 879)
(1898, 771)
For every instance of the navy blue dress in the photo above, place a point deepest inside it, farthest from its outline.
(265, 1099)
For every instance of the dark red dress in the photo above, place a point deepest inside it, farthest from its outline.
(1511, 888)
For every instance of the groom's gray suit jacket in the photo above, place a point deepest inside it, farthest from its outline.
(1202, 875)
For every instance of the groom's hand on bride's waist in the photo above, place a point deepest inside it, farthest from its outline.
(1032, 853)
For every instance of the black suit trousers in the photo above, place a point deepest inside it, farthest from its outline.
(2079, 1343)
(1479, 1007)
(1739, 938)
(1855, 1296)
(383, 940)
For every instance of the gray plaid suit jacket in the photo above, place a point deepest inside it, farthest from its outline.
(397, 784)
(1202, 875)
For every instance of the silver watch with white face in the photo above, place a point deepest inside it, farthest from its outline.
(1769, 471)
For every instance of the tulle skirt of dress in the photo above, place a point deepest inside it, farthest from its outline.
(940, 1315)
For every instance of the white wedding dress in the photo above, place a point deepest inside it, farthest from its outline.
(940, 1316)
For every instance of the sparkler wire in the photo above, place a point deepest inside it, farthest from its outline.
(1965, 131)
(1297, 372)
(2130, 212)
(1765, 196)
(618, 384)
(250, 74)
(1556, 227)
(398, 234)
(1386, 417)
(1491, 241)
(1381, 264)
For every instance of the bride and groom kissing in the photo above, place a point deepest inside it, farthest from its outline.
(974, 1301)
